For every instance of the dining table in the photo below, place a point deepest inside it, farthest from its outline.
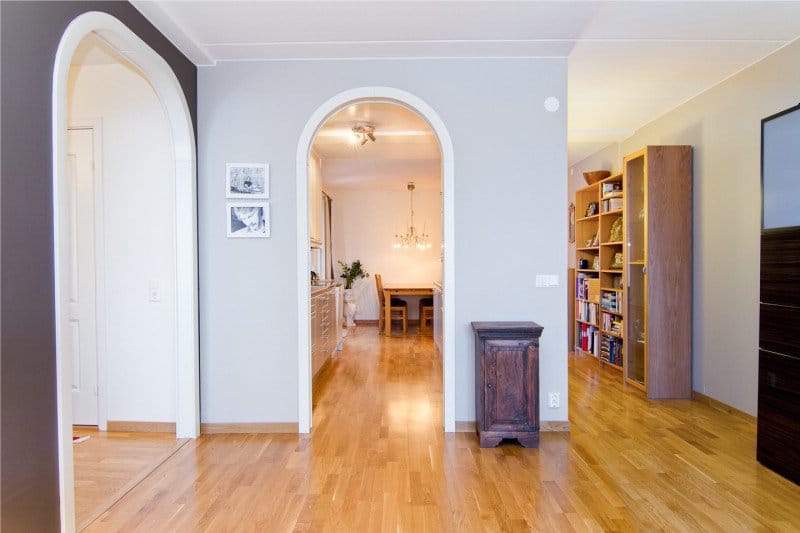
(401, 289)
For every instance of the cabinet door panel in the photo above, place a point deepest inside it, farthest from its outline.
(510, 387)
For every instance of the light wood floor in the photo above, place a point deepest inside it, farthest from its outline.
(377, 460)
(111, 463)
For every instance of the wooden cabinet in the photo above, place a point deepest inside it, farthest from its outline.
(438, 316)
(779, 352)
(507, 382)
(326, 326)
(658, 270)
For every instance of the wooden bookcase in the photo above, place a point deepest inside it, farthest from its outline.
(658, 270)
(633, 298)
(599, 282)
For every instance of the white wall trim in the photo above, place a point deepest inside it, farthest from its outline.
(318, 118)
(101, 312)
(170, 93)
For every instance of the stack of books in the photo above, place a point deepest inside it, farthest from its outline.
(610, 302)
(586, 337)
(610, 189)
(612, 323)
(587, 312)
(587, 288)
(611, 350)
(612, 204)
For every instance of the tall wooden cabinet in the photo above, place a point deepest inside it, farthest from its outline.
(658, 270)
(507, 382)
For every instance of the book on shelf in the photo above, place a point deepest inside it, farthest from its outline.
(611, 301)
(587, 312)
(611, 188)
(587, 287)
(612, 323)
(612, 204)
(587, 338)
(611, 350)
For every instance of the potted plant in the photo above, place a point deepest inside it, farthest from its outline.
(350, 273)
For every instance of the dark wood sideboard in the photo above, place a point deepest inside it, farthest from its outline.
(778, 446)
(507, 382)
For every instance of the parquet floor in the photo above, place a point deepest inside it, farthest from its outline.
(110, 463)
(377, 460)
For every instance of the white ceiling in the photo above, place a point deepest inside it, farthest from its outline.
(629, 62)
(405, 149)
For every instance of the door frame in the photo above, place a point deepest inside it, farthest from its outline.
(309, 133)
(166, 85)
(101, 340)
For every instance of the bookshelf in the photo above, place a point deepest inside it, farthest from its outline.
(599, 285)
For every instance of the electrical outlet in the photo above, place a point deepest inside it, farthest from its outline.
(554, 401)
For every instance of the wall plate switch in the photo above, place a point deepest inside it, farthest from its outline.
(547, 280)
(554, 400)
(154, 291)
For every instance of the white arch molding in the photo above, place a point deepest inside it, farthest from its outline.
(170, 93)
(318, 118)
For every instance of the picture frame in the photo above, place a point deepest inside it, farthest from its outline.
(591, 209)
(248, 220)
(247, 180)
(571, 222)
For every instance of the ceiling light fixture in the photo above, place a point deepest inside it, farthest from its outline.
(411, 237)
(363, 132)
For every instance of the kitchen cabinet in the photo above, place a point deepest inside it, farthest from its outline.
(326, 325)
(438, 316)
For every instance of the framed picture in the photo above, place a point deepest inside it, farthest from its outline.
(571, 221)
(248, 219)
(591, 209)
(247, 180)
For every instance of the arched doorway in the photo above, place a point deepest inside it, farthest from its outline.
(166, 85)
(318, 118)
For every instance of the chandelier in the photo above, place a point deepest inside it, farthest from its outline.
(363, 132)
(412, 238)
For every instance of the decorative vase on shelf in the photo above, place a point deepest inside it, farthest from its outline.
(350, 308)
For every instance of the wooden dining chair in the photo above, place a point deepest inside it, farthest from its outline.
(425, 315)
(398, 311)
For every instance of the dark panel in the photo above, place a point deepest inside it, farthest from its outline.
(779, 329)
(505, 362)
(780, 266)
(30, 33)
(779, 414)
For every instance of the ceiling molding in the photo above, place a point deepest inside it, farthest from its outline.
(178, 36)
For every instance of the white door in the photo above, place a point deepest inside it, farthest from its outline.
(82, 324)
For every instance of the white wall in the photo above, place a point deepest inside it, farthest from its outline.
(509, 196)
(139, 222)
(364, 224)
(724, 126)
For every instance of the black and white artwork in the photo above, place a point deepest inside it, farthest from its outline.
(247, 180)
(248, 219)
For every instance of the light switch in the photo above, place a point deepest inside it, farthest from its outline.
(155, 291)
(547, 280)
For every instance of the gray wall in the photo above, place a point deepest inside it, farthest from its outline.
(724, 126)
(510, 162)
(30, 35)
